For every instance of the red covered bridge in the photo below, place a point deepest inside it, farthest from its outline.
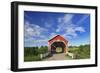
(58, 42)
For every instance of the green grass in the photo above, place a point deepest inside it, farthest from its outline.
(33, 53)
(68, 57)
(32, 58)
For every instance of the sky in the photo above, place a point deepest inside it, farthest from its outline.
(39, 27)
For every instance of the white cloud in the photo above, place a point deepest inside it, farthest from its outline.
(32, 30)
(34, 35)
(47, 25)
(81, 29)
(52, 35)
(85, 16)
(66, 18)
(66, 25)
(64, 22)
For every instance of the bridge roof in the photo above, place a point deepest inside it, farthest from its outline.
(58, 37)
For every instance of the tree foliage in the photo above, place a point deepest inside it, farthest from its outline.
(81, 52)
(33, 53)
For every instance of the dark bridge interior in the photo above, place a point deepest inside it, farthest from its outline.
(57, 47)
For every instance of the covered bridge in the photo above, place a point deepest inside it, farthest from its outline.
(58, 44)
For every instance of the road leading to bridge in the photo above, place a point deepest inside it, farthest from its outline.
(60, 56)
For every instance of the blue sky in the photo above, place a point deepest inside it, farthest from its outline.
(39, 27)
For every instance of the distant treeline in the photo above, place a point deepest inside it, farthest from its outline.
(78, 46)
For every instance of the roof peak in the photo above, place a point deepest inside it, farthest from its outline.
(56, 36)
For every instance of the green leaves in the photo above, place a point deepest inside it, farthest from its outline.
(81, 52)
(84, 52)
(43, 49)
(33, 53)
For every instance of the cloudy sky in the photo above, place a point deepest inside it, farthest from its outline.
(39, 27)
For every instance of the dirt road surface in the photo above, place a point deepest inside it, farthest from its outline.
(60, 56)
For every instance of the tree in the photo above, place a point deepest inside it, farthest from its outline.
(83, 51)
(43, 49)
